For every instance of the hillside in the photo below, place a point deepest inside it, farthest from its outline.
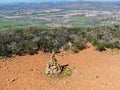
(83, 36)
(92, 70)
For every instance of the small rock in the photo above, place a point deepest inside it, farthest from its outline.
(97, 76)
(74, 67)
(8, 80)
(31, 69)
(49, 83)
(7, 67)
(39, 72)
(0, 66)
(13, 80)
(65, 82)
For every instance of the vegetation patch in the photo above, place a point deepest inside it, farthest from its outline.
(30, 40)
(79, 20)
(103, 46)
(66, 72)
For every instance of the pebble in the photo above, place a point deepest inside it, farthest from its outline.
(31, 70)
(97, 76)
(13, 80)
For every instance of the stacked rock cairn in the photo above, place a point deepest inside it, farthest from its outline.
(53, 68)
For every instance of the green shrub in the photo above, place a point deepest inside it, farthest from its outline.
(103, 46)
(30, 40)
(66, 72)
(100, 46)
(116, 45)
(77, 46)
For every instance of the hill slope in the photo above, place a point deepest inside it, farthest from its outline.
(92, 70)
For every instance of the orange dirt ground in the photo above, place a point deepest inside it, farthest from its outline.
(92, 70)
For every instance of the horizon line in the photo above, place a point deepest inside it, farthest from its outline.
(51, 1)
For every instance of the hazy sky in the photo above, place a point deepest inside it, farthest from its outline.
(10, 1)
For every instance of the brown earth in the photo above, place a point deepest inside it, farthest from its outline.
(92, 70)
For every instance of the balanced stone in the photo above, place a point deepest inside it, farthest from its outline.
(53, 68)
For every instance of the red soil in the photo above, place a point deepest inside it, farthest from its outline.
(92, 70)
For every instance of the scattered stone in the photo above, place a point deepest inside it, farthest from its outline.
(105, 84)
(39, 72)
(13, 80)
(74, 67)
(7, 67)
(97, 76)
(65, 82)
(31, 70)
(7, 80)
(49, 83)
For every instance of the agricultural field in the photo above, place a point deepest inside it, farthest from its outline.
(67, 14)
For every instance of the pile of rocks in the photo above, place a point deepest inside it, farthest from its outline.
(53, 68)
